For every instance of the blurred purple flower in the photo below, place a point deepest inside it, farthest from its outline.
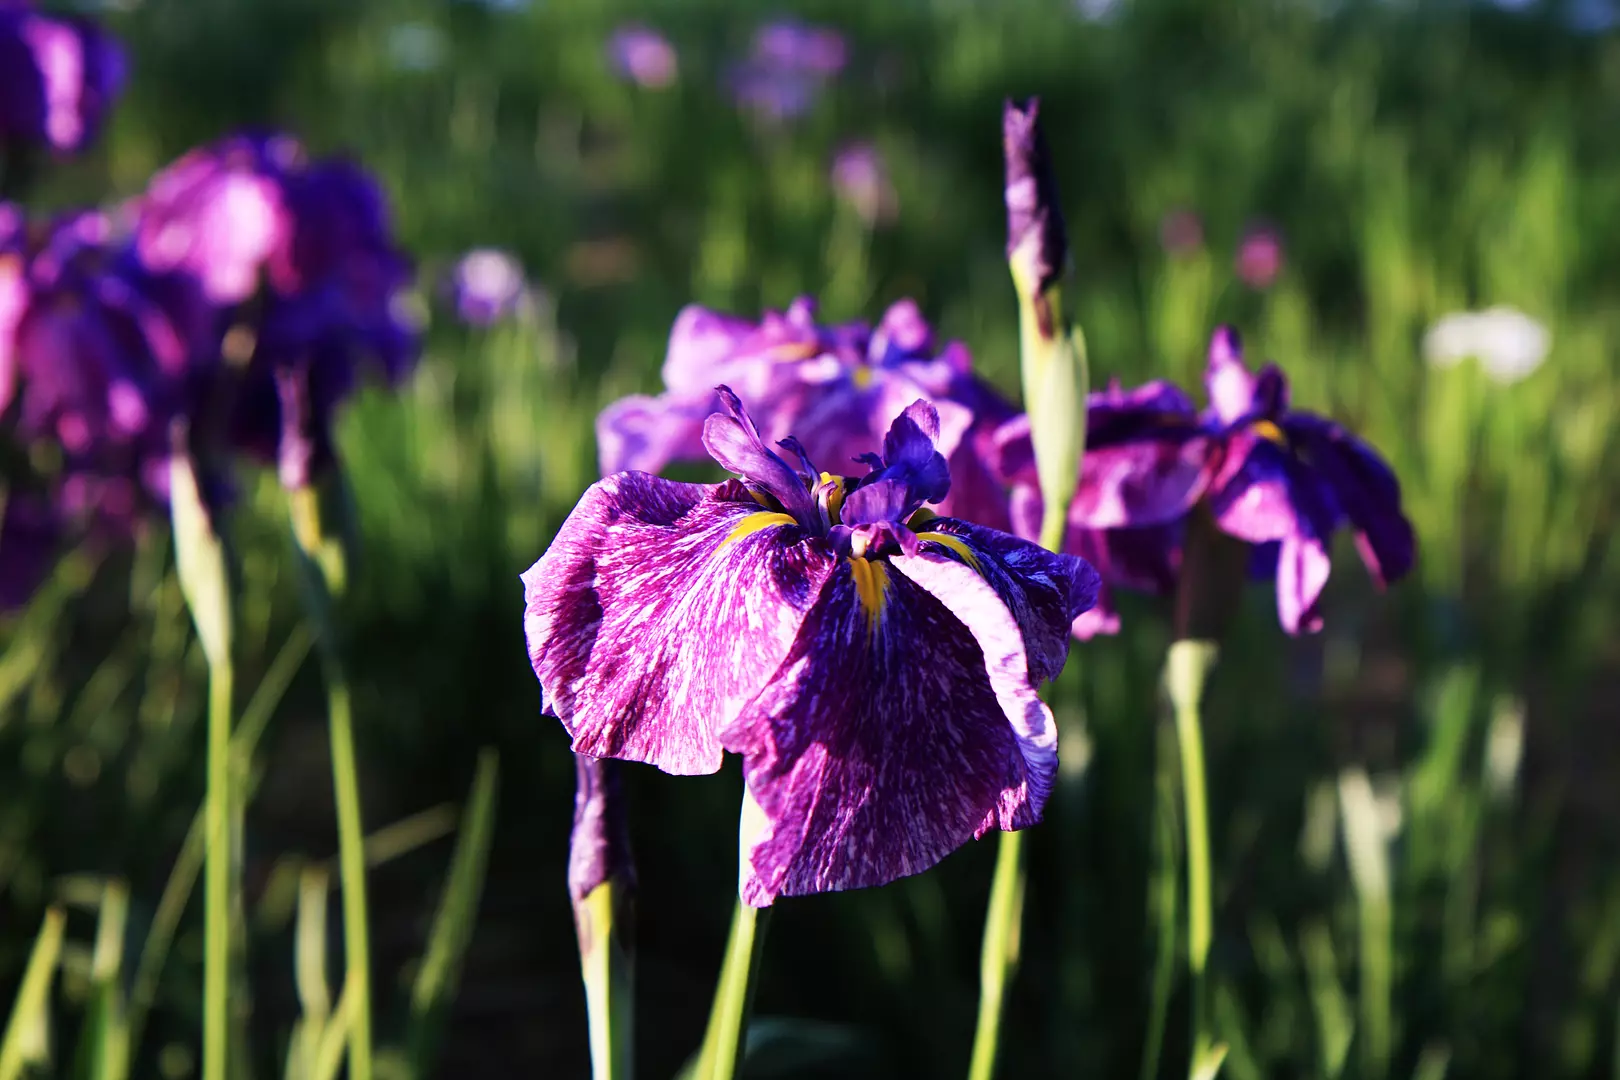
(644, 56)
(488, 286)
(100, 355)
(1259, 257)
(58, 77)
(787, 67)
(861, 180)
(306, 253)
(840, 387)
(1181, 232)
(802, 620)
(1279, 479)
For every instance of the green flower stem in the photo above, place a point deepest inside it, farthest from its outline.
(1002, 929)
(217, 877)
(734, 996)
(1187, 670)
(324, 576)
(351, 867)
(608, 968)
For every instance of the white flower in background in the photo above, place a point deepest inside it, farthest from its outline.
(1508, 344)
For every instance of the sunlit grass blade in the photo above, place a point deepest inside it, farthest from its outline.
(1369, 873)
(27, 1038)
(104, 1042)
(458, 910)
(309, 973)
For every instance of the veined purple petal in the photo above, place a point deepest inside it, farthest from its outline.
(734, 442)
(646, 434)
(660, 610)
(1365, 489)
(889, 739)
(1046, 593)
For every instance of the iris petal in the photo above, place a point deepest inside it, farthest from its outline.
(735, 443)
(878, 749)
(647, 433)
(1364, 487)
(649, 631)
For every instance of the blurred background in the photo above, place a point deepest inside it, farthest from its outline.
(1413, 207)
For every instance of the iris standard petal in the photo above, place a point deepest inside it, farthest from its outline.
(913, 471)
(646, 434)
(1364, 487)
(735, 443)
(902, 724)
(1045, 592)
(660, 610)
(1227, 380)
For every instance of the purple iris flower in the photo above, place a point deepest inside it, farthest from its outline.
(487, 286)
(1279, 479)
(875, 666)
(643, 56)
(58, 77)
(788, 66)
(304, 253)
(100, 355)
(838, 387)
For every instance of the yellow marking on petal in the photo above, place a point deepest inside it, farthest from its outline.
(871, 587)
(835, 498)
(922, 517)
(759, 497)
(862, 375)
(753, 523)
(1269, 432)
(955, 544)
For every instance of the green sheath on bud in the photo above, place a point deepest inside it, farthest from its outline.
(1053, 354)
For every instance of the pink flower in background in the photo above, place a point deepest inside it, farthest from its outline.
(862, 181)
(1259, 256)
(1181, 232)
(488, 285)
(643, 56)
(787, 67)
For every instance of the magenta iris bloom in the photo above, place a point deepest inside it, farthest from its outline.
(788, 66)
(305, 252)
(58, 78)
(875, 668)
(1279, 479)
(838, 387)
(101, 355)
(643, 56)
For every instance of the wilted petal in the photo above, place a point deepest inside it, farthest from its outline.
(1045, 592)
(884, 743)
(650, 626)
(1037, 245)
(647, 434)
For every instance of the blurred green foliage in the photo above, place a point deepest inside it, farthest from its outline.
(1414, 818)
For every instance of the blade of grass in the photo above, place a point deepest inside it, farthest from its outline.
(453, 924)
(27, 1039)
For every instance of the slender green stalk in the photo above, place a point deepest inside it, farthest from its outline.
(734, 995)
(1187, 669)
(1163, 907)
(351, 869)
(1003, 924)
(217, 878)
